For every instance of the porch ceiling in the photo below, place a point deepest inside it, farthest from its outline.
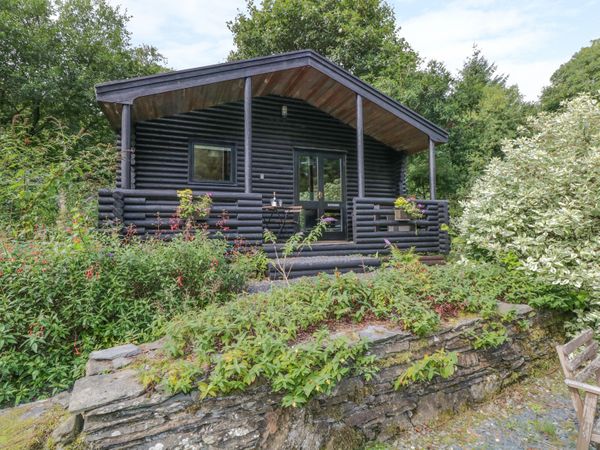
(302, 75)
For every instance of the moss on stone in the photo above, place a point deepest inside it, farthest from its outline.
(395, 360)
(18, 431)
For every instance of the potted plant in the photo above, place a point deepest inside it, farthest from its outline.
(407, 209)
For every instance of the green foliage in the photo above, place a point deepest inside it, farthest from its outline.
(440, 363)
(44, 176)
(261, 336)
(409, 206)
(52, 53)
(294, 244)
(540, 204)
(64, 297)
(480, 111)
(581, 74)
(281, 336)
(492, 335)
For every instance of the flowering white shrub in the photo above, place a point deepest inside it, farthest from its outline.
(541, 202)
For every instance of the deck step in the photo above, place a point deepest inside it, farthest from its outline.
(303, 266)
(307, 266)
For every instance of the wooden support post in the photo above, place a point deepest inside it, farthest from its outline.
(126, 147)
(432, 170)
(360, 146)
(248, 135)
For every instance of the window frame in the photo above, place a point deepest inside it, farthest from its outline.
(191, 160)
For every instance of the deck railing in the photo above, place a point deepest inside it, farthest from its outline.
(374, 224)
(238, 215)
(151, 211)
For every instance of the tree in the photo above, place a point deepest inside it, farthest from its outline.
(360, 36)
(53, 52)
(580, 74)
(480, 111)
(540, 203)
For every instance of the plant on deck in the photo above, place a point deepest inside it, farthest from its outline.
(409, 206)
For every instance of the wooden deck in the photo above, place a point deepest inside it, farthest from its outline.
(238, 216)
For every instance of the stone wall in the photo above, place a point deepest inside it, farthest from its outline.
(114, 411)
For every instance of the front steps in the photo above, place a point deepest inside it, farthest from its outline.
(303, 266)
(307, 266)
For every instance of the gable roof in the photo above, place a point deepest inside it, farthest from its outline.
(304, 74)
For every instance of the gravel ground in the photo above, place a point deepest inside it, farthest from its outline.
(536, 414)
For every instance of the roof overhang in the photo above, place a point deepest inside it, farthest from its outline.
(304, 75)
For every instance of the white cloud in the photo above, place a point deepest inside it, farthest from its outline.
(513, 37)
(190, 33)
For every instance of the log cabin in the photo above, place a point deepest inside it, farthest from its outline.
(293, 126)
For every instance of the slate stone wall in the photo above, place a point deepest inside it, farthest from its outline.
(118, 413)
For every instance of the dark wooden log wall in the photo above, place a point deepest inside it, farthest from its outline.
(152, 211)
(374, 222)
(161, 149)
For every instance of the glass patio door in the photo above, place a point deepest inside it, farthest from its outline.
(319, 187)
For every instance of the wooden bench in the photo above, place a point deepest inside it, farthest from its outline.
(581, 364)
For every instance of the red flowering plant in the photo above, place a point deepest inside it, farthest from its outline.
(61, 298)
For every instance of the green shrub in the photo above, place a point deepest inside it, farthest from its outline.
(281, 336)
(540, 202)
(440, 363)
(45, 175)
(62, 298)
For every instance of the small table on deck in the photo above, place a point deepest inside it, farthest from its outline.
(288, 212)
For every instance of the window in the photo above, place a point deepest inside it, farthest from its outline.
(211, 163)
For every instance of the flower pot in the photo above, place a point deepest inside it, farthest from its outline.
(401, 215)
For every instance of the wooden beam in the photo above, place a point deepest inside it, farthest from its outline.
(432, 174)
(248, 135)
(126, 146)
(360, 146)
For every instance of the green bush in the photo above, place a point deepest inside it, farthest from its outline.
(62, 298)
(540, 203)
(45, 175)
(281, 336)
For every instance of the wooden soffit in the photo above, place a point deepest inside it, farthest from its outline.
(320, 85)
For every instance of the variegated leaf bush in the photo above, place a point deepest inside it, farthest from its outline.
(540, 204)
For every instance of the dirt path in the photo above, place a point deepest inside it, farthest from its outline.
(536, 414)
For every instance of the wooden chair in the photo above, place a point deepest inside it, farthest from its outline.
(580, 363)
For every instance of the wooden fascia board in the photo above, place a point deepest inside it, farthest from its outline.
(126, 91)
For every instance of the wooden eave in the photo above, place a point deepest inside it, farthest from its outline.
(304, 75)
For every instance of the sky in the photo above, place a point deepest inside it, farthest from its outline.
(527, 39)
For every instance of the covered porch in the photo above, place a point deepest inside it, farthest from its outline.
(294, 125)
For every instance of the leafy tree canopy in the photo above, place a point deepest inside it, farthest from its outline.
(580, 74)
(481, 111)
(360, 36)
(53, 52)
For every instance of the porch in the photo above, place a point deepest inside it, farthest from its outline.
(240, 216)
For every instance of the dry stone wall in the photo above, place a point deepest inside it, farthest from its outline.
(113, 410)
